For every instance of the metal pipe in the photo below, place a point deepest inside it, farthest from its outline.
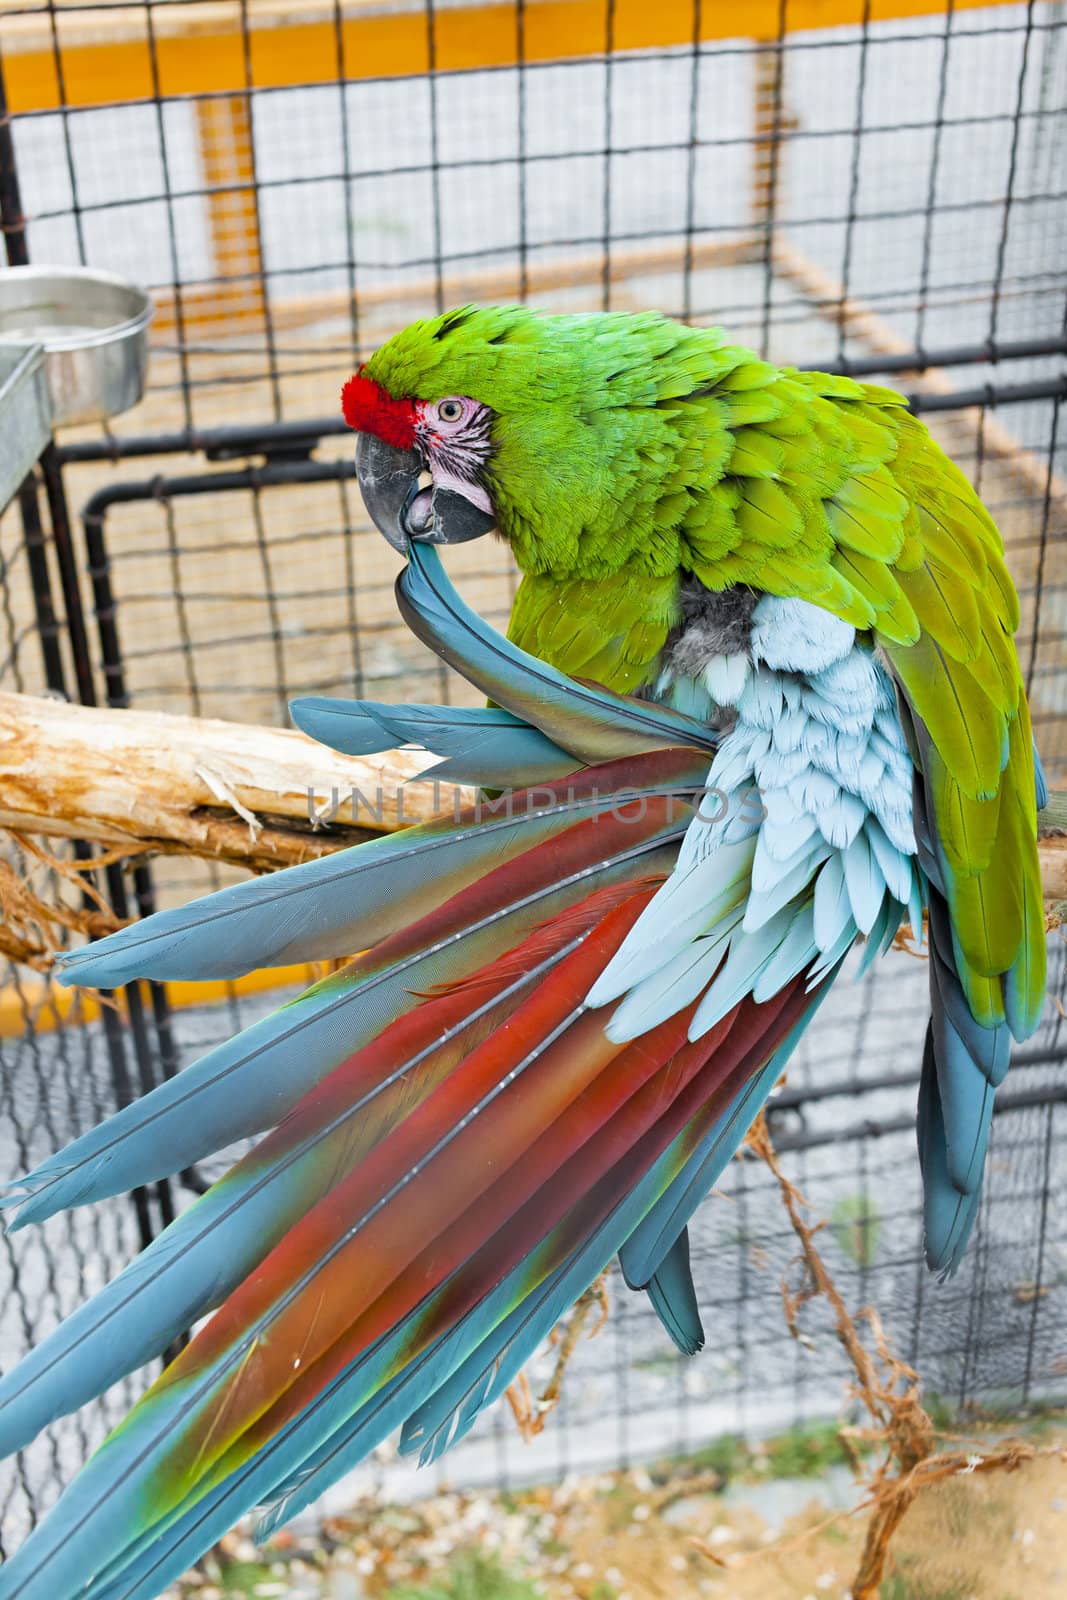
(41, 585)
(16, 247)
(12, 216)
(961, 355)
(992, 395)
(17, 250)
(790, 1099)
(104, 609)
(94, 513)
(299, 438)
(238, 439)
(1022, 1100)
(193, 483)
(59, 514)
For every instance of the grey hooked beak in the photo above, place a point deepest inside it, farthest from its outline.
(401, 510)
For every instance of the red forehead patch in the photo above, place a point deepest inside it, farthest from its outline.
(369, 409)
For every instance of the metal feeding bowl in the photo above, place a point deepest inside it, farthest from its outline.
(93, 328)
(25, 414)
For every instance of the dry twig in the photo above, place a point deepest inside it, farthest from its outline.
(256, 797)
(530, 1412)
(888, 1388)
(29, 926)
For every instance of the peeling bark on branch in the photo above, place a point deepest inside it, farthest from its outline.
(229, 792)
(182, 785)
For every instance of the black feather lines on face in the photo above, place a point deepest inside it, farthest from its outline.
(465, 454)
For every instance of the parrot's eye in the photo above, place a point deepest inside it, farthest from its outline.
(450, 410)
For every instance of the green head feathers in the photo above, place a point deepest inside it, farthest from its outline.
(616, 453)
(595, 444)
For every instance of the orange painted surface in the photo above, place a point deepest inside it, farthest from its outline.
(104, 62)
(43, 1005)
(224, 126)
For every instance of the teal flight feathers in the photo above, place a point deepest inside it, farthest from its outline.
(759, 701)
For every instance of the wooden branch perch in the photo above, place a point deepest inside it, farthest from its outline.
(181, 785)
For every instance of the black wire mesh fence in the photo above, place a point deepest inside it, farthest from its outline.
(841, 187)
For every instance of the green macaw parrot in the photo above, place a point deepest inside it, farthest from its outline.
(759, 701)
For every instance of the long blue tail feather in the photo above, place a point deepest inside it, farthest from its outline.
(163, 1551)
(963, 1064)
(481, 1338)
(451, 1411)
(350, 1416)
(321, 909)
(353, 1414)
(948, 1214)
(484, 744)
(591, 722)
(319, 1447)
(189, 1268)
(644, 1252)
(1040, 781)
(673, 1297)
(252, 1081)
(157, 1557)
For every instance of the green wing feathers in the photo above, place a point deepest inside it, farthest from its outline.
(816, 486)
(610, 630)
(884, 530)
(963, 685)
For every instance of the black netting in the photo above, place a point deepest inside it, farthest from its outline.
(884, 196)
